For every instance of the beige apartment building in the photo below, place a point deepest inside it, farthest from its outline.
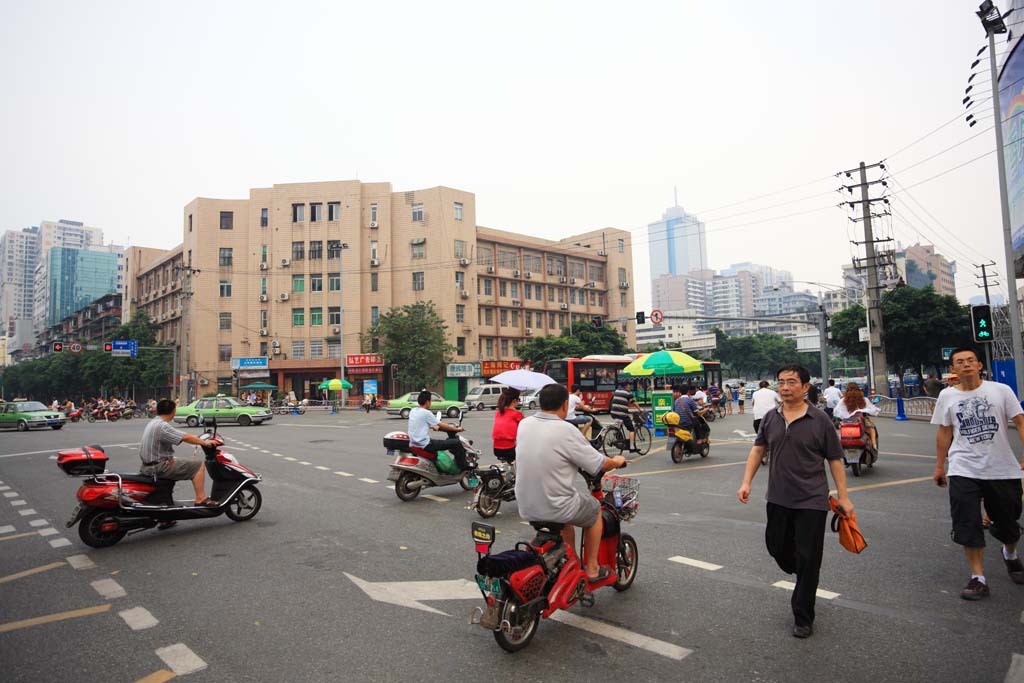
(277, 287)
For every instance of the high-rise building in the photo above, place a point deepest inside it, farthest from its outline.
(67, 279)
(767, 276)
(678, 243)
(919, 266)
(19, 251)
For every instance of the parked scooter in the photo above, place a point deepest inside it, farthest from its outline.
(857, 454)
(540, 577)
(415, 469)
(682, 443)
(112, 504)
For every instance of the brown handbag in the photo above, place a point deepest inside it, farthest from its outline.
(845, 525)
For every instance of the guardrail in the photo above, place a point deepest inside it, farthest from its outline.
(920, 407)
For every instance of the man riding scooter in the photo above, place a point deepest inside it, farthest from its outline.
(421, 421)
(691, 413)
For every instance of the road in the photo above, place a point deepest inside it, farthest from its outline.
(291, 594)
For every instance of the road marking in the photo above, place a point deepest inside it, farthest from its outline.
(81, 562)
(303, 462)
(53, 457)
(821, 593)
(181, 660)
(8, 529)
(49, 531)
(5, 488)
(26, 513)
(643, 642)
(695, 563)
(909, 455)
(321, 467)
(10, 494)
(15, 455)
(34, 522)
(409, 593)
(109, 588)
(884, 484)
(687, 469)
(30, 572)
(11, 538)
(161, 676)
(50, 618)
(291, 458)
(277, 455)
(430, 496)
(138, 618)
(720, 495)
(261, 450)
(368, 480)
(344, 474)
(745, 435)
(16, 503)
(1016, 672)
(296, 424)
(59, 542)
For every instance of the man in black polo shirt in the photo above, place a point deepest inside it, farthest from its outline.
(799, 439)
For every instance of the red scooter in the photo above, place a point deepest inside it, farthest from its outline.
(75, 415)
(537, 578)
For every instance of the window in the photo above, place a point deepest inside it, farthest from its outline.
(225, 321)
(299, 349)
(551, 293)
(225, 289)
(460, 313)
(189, 229)
(264, 217)
(539, 292)
(417, 212)
(316, 250)
(333, 349)
(460, 280)
(596, 272)
(503, 318)
(504, 348)
(333, 282)
(226, 256)
(316, 282)
(298, 317)
(600, 299)
(263, 348)
(458, 211)
(577, 269)
(489, 345)
(515, 318)
(263, 286)
(298, 283)
(417, 281)
(333, 214)
(263, 318)
(593, 298)
(561, 295)
(488, 316)
(263, 253)
(298, 213)
(529, 318)
(622, 274)
(316, 212)
(298, 251)
(513, 289)
(572, 295)
(507, 259)
(334, 315)
(460, 346)
(485, 255)
(374, 315)
(561, 320)
(227, 220)
(622, 246)
(531, 263)
(460, 248)
(419, 250)
(551, 321)
(503, 288)
(224, 353)
(488, 287)
(316, 348)
(622, 299)
(373, 213)
(333, 249)
(373, 249)
(374, 282)
(316, 316)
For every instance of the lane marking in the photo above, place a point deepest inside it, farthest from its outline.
(181, 660)
(161, 676)
(50, 618)
(49, 531)
(16, 503)
(321, 467)
(26, 513)
(11, 538)
(59, 543)
(34, 522)
(290, 458)
(109, 588)
(9, 529)
(15, 455)
(909, 455)
(303, 462)
(138, 618)
(5, 488)
(688, 469)
(81, 562)
(30, 572)
(699, 564)
(821, 593)
(430, 496)
(884, 484)
(1016, 672)
(368, 480)
(261, 450)
(600, 628)
(10, 494)
(277, 455)
(344, 474)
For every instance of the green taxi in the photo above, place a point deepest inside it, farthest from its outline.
(225, 409)
(26, 415)
(404, 404)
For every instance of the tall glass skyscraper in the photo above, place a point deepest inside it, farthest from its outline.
(678, 244)
(76, 277)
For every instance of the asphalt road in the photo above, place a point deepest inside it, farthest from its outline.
(279, 597)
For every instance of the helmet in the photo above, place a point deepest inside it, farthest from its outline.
(671, 419)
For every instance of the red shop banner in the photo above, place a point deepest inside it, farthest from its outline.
(369, 370)
(490, 368)
(360, 360)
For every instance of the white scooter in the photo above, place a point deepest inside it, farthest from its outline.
(415, 469)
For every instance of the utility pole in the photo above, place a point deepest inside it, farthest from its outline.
(183, 336)
(988, 300)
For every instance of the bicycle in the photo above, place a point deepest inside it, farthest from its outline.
(613, 439)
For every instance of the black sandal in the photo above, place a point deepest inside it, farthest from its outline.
(166, 525)
(207, 502)
(603, 575)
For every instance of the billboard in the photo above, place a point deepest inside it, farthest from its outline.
(1011, 92)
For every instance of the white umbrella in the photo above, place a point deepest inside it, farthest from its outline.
(523, 379)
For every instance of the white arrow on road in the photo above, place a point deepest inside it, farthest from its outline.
(410, 593)
(744, 434)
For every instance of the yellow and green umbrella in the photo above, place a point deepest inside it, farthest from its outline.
(662, 363)
(334, 384)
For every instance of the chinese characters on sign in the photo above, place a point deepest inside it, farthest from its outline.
(490, 368)
(361, 360)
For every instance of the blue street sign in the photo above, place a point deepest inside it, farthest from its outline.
(124, 348)
(250, 363)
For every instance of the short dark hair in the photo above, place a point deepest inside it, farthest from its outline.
(964, 349)
(763, 383)
(552, 397)
(803, 373)
(679, 388)
(165, 406)
(831, 382)
(575, 388)
(424, 397)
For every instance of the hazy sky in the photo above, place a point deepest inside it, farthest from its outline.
(561, 116)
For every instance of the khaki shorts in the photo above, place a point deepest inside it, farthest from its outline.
(586, 517)
(178, 470)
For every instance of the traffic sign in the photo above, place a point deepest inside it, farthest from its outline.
(75, 347)
(124, 348)
(863, 334)
(947, 351)
(657, 317)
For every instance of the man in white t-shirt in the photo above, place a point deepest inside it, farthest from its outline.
(972, 420)
(832, 397)
(575, 402)
(763, 400)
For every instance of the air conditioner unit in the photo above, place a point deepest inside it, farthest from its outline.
(490, 269)
(263, 332)
(572, 281)
(203, 381)
(336, 330)
(528, 275)
(463, 262)
(624, 285)
(275, 343)
(263, 266)
(562, 279)
(373, 224)
(374, 262)
(285, 263)
(277, 350)
(515, 273)
(464, 294)
(564, 307)
(591, 284)
(602, 253)
(284, 296)
(263, 297)
(529, 332)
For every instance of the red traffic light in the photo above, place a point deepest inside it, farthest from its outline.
(108, 347)
(58, 347)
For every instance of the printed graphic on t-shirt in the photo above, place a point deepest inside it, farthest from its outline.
(975, 423)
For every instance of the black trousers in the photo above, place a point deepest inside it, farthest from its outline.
(453, 446)
(795, 538)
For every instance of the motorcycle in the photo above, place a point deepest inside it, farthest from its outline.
(113, 504)
(856, 452)
(128, 413)
(537, 578)
(111, 414)
(415, 469)
(683, 443)
(75, 415)
(497, 484)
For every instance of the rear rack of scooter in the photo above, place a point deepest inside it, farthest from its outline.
(623, 493)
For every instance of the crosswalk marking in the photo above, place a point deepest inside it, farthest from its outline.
(823, 594)
(695, 563)
(345, 474)
(368, 480)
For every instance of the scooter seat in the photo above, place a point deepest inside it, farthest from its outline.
(549, 527)
(416, 450)
(137, 478)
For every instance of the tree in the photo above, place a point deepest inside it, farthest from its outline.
(539, 350)
(414, 338)
(759, 354)
(845, 331)
(603, 340)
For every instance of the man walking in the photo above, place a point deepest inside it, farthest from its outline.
(764, 399)
(800, 439)
(972, 436)
(932, 386)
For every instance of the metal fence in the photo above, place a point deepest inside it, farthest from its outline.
(918, 406)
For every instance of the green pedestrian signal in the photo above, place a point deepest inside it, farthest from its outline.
(981, 322)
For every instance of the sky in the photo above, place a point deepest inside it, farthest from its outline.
(562, 117)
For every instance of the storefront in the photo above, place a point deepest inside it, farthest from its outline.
(303, 376)
(459, 379)
(490, 368)
(366, 373)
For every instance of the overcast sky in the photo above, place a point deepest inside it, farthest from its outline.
(561, 117)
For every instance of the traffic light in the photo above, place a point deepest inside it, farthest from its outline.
(641, 317)
(596, 320)
(981, 322)
(58, 347)
(108, 347)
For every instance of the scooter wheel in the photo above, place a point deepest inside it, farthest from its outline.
(855, 467)
(515, 643)
(628, 561)
(705, 450)
(487, 506)
(90, 529)
(245, 504)
(677, 453)
(403, 489)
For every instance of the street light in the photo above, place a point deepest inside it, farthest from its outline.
(342, 246)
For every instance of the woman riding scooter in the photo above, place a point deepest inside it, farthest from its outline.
(506, 425)
(854, 403)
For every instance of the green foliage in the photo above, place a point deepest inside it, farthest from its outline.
(598, 340)
(585, 340)
(845, 331)
(413, 337)
(759, 355)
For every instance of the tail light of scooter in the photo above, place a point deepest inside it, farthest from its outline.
(408, 461)
(91, 494)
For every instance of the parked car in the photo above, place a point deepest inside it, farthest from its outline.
(26, 415)
(403, 404)
(225, 409)
(528, 400)
(484, 396)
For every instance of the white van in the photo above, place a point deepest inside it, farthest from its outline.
(483, 396)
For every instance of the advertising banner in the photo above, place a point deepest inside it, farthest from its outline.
(356, 360)
(463, 370)
(1011, 87)
(661, 403)
(490, 368)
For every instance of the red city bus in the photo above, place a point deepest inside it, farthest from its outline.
(596, 375)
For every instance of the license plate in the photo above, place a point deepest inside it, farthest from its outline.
(74, 516)
(52, 422)
(473, 482)
(488, 584)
